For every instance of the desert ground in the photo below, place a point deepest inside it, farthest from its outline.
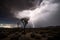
(46, 33)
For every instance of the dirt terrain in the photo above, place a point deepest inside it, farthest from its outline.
(47, 33)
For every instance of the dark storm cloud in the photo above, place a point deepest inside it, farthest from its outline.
(51, 9)
(52, 14)
(56, 1)
(16, 5)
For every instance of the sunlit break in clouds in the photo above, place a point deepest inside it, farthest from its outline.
(28, 13)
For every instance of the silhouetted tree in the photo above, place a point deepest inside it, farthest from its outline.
(25, 22)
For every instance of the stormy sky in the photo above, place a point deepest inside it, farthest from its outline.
(47, 14)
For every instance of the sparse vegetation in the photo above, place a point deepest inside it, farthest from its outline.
(46, 33)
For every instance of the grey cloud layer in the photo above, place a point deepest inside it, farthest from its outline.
(51, 14)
